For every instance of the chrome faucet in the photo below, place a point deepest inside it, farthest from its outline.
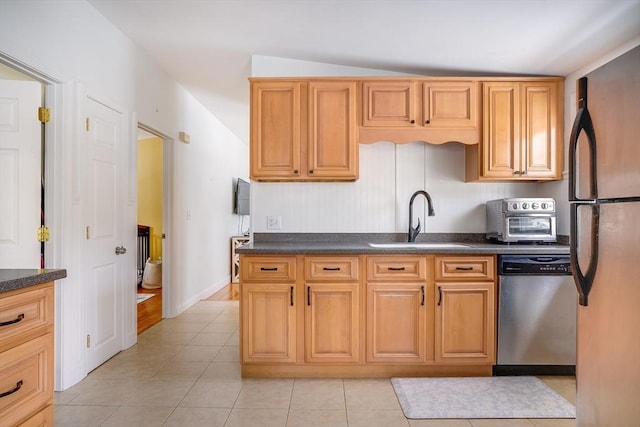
(413, 232)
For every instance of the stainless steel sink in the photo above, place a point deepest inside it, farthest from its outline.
(418, 245)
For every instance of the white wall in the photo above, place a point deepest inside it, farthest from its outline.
(73, 44)
(389, 173)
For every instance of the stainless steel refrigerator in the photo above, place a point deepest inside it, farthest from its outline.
(604, 196)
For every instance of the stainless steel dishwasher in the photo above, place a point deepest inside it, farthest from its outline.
(536, 315)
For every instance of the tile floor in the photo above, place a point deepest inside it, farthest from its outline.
(185, 372)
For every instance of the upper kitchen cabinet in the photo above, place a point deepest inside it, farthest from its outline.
(522, 132)
(303, 130)
(434, 111)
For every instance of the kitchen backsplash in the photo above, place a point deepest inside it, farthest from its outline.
(379, 201)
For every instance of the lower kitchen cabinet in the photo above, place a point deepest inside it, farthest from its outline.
(268, 323)
(396, 323)
(332, 323)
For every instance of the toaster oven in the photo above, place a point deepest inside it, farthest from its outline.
(521, 220)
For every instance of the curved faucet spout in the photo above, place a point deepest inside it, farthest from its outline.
(413, 232)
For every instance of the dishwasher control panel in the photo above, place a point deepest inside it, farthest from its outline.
(541, 265)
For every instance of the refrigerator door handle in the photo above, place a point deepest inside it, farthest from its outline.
(584, 280)
(582, 123)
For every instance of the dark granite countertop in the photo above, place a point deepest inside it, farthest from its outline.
(358, 243)
(18, 278)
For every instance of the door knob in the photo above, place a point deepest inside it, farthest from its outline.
(121, 250)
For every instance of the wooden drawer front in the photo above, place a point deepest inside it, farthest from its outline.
(331, 268)
(43, 418)
(268, 269)
(396, 268)
(25, 315)
(29, 366)
(465, 268)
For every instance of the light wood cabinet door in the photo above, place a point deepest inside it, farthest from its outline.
(389, 103)
(276, 129)
(397, 322)
(522, 133)
(450, 104)
(333, 130)
(268, 322)
(332, 323)
(539, 153)
(465, 323)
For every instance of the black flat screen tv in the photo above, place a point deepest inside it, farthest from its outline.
(242, 199)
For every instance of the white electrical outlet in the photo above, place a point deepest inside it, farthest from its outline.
(274, 223)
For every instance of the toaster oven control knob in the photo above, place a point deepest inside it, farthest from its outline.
(525, 205)
(534, 205)
(544, 205)
(515, 206)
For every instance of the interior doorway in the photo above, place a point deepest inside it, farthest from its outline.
(150, 258)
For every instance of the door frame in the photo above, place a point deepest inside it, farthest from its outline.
(168, 146)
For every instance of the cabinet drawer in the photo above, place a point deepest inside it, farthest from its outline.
(25, 315)
(465, 268)
(43, 418)
(396, 268)
(331, 268)
(268, 269)
(27, 370)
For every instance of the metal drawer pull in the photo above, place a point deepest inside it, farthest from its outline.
(291, 296)
(268, 268)
(422, 291)
(464, 268)
(11, 322)
(439, 295)
(395, 268)
(308, 295)
(331, 268)
(17, 387)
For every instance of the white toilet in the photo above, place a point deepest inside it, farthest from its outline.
(152, 276)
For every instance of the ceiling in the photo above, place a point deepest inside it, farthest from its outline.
(207, 45)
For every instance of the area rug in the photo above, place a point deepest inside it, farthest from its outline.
(144, 297)
(486, 397)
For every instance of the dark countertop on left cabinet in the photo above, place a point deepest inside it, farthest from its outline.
(18, 278)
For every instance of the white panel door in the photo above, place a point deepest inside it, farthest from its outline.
(105, 144)
(20, 160)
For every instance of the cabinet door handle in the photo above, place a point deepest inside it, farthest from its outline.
(422, 292)
(426, 122)
(268, 268)
(11, 322)
(464, 268)
(13, 390)
(439, 295)
(516, 172)
(331, 268)
(291, 296)
(295, 171)
(412, 121)
(309, 295)
(395, 268)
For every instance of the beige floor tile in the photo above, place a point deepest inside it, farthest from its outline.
(173, 325)
(210, 338)
(82, 416)
(234, 339)
(105, 393)
(127, 416)
(318, 394)
(563, 385)
(212, 394)
(265, 394)
(439, 423)
(229, 353)
(180, 370)
(123, 369)
(209, 417)
(376, 418)
(317, 418)
(159, 337)
(159, 393)
(370, 394)
(206, 317)
(149, 352)
(257, 418)
(222, 370)
(221, 327)
(542, 422)
(513, 422)
(197, 353)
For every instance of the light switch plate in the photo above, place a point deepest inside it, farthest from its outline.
(274, 223)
